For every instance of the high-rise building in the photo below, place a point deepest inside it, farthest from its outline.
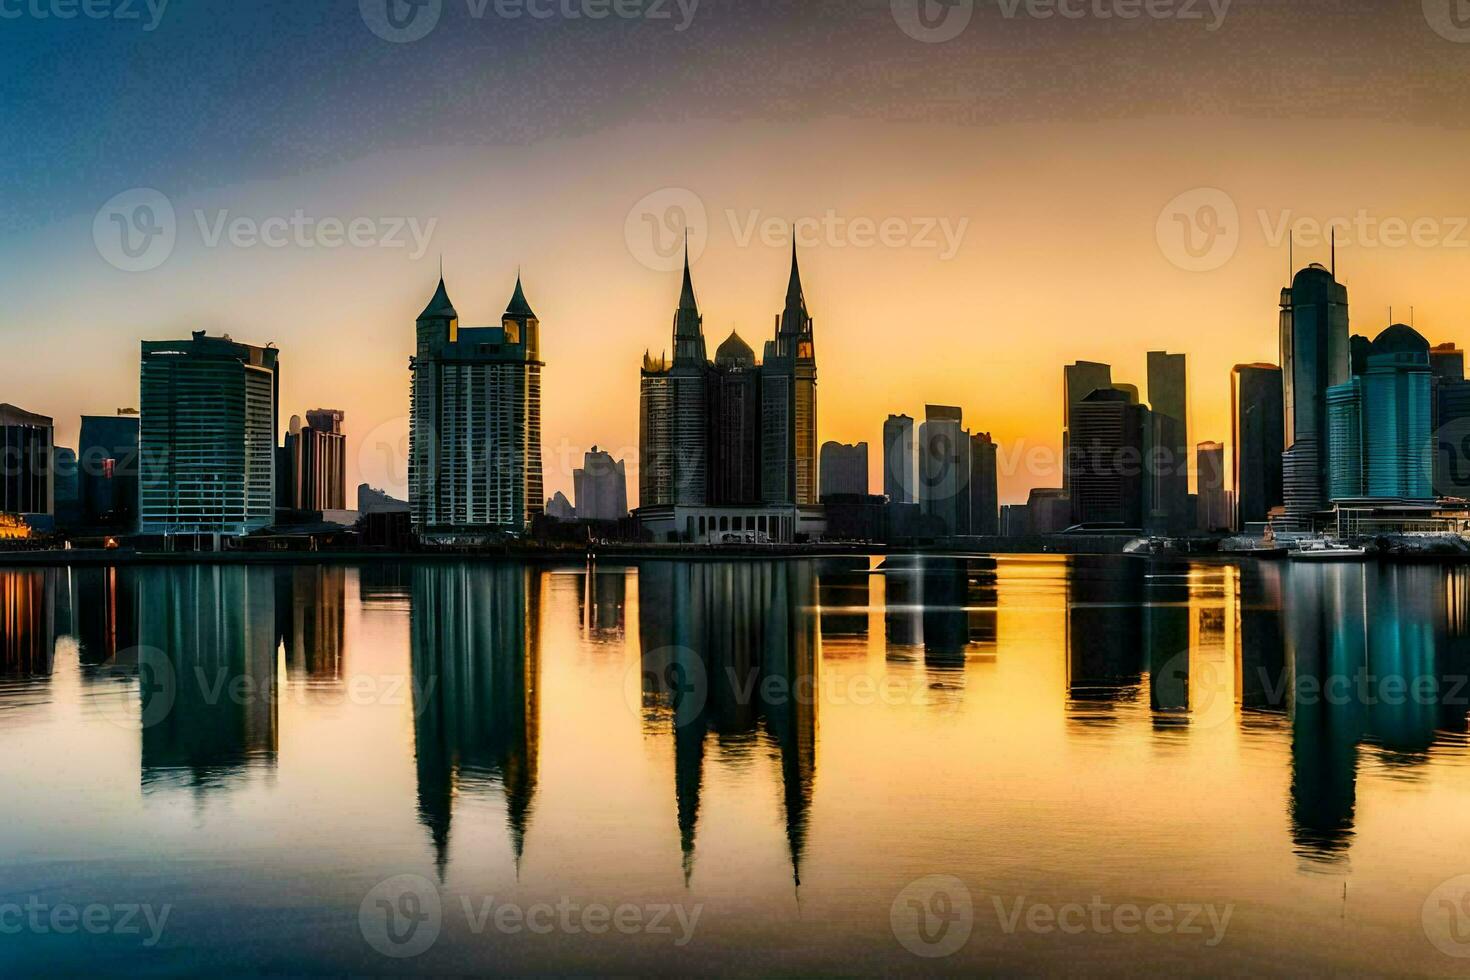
(107, 464)
(898, 459)
(207, 436)
(475, 421)
(1387, 411)
(984, 486)
(314, 463)
(844, 469)
(727, 448)
(944, 470)
(1315, 355)
(735, 411)
(1167, 452)
(27, 441)
(1214, 501)
(600, 487)
(1078, 381)
(1256, 441)
(789, 403)
(1450, 421)
(1107, 446)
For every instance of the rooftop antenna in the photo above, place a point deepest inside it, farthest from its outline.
(1290, 258)
(1411, 315)
(1334, 253)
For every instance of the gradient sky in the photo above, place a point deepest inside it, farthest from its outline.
(1062, 147)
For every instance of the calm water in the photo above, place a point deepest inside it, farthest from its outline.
(736, 767)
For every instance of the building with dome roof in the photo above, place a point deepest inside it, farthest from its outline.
(1380, 424)
(727, 447)
(475, 422)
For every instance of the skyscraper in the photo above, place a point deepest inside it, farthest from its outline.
(1107, 446)
(1214, 509)
(898, 459)
(1315, 355)
(984, 488)
(1167, 455)
(789, 403)
(600, 487)
(944, 470)
(27, 443)
(475, 429)
(1078, 381)
(844, 469)
(1450, 421)
(1382, 445)
(107, 464)
(1256, 441)
(735, 414)
(207, 436)
(314, 461)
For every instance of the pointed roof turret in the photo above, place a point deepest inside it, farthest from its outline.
(686, 298)
(439, 307)
(518, 306)
(735, 352)
(795, 298)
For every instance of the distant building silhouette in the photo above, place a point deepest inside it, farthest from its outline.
(1256, 441)
(944, 470)
(898, 460)
(1451, 421)
(1048, 510)
(475, 429)
(1078, 381)
(1107, 447)
(207, 436)
(1167, 450)
(314, 460)
(560, 508)
(1315, 355)
(107, 457)
(26, 440)
(601, 488)
(372, 501)
(1214, 500)
(984, 486)
(844, 469)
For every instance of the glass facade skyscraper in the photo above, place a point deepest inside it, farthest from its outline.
(207, 436)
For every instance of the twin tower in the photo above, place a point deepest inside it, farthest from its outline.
(731, 433)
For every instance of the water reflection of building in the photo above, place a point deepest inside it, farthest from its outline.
(601, 600)
(105, 614)
(1105, 629)
(207, 674)
(1262, 674)
(310, 602)
(842, 592)
(730, 651)
(476, 669)
(27, 623)
(947, 605)
(385, 587)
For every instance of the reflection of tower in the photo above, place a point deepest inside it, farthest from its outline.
(726, 647)
(386, 587)
(208, 683)
(476, 668)
(1263, 678)
(309, 620)
(1104, 627)
(1401, 658)
(842, 592)
(946, 584)
(903, 599)
(27, 634)
(106, 613)
(1325, 635)
(1166, 615)
(602, 598)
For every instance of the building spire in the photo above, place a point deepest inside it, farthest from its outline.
(439, 308)
(795, 298)
(686, 297)
(518, 307)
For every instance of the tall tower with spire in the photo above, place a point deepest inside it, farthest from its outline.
(789, 403)
(475, 421)
(674, 422)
